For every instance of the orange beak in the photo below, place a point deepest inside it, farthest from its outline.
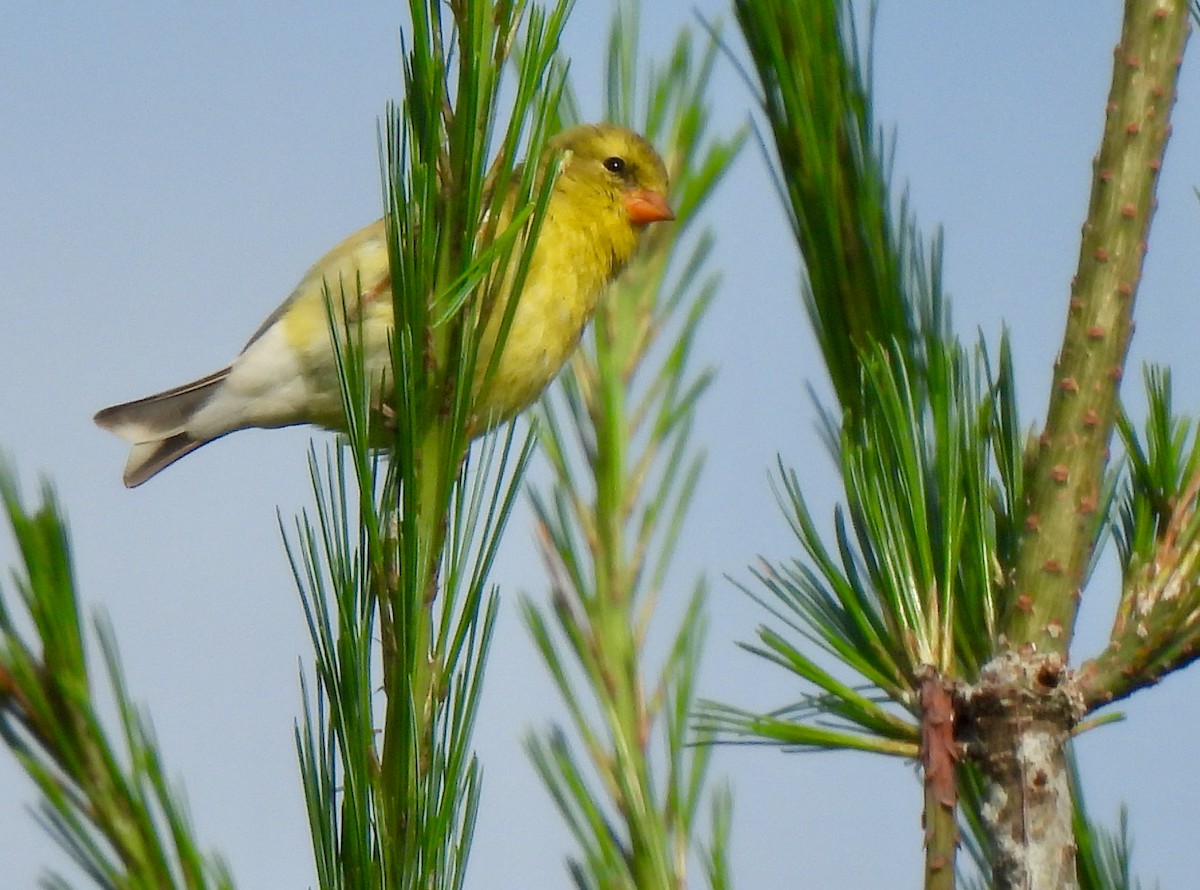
(646, 206)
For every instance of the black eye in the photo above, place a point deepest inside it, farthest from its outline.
(614, 165)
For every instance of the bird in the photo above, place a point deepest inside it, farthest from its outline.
(611, 185)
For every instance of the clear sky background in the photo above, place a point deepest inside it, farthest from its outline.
(168, 171)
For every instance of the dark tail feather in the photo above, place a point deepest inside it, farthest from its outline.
(162, 414)
(147, 459)
(156, 426)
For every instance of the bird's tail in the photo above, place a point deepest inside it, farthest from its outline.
(156, 426)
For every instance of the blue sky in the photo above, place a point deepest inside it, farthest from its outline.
(167, 174)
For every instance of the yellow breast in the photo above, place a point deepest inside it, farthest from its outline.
(575, 258)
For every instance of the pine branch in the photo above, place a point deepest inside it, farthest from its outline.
(619, 446)
(862, 262)
(393, 568)
(904, 593)
(1066, 475)
(1157, 625)
(106, 799)
(1022, 710)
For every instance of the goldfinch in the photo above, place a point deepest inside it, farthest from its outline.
(611, 185)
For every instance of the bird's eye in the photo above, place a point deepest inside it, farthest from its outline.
(614, 165)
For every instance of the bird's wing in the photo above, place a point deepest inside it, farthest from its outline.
(362, 254)
(345, 261)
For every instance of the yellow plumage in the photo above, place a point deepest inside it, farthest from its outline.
(611, 184)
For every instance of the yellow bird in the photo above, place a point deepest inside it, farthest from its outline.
(611, 185)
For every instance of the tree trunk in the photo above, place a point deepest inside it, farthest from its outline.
(1016, 721)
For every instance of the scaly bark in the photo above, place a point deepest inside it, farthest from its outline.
(1016, 720)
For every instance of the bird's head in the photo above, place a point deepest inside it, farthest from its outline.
(621, 165)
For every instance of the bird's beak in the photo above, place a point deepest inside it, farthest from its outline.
(646, 206)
